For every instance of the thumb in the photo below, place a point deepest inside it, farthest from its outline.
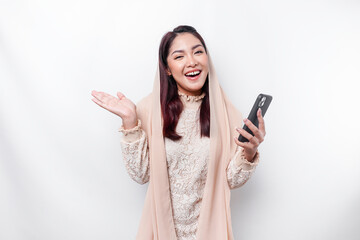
(120, 95)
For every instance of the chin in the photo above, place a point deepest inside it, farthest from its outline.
(193, 87)
(196, 89)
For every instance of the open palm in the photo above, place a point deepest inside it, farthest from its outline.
(120, 105)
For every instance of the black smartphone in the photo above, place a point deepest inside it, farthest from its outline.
(262, 101)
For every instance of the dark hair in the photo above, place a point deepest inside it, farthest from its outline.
(171, 105)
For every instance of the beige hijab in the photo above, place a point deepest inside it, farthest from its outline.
(215, 219)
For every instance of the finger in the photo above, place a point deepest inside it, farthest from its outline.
(244, 133)
(103, 97)
(96, 94)
(261, 122)
(98, 102)
(252, 139)
(241, 144)
(120, 95)
(255, 141)
(244, 145)
(254, 129)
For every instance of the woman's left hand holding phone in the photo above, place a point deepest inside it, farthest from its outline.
(250, 147)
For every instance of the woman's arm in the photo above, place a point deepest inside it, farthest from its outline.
(246, 157)
(136, 153)
(134, 143)
(240, 169)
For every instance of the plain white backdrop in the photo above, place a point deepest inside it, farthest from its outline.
(61, 172)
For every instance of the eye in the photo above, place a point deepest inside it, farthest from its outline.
(200, 51)
(178, 57)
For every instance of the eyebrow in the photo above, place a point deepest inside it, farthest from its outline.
(198, 45)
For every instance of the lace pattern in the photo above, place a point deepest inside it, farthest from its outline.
(239, 169)
(190, 98)
(187, 161)
(132, 130)
(135, 156)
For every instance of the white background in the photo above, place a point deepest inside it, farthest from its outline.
(61, 171)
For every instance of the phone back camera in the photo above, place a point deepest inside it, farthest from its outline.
(262, 102)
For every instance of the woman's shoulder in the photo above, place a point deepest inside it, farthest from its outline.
(143, 107)
(143, 110)
(145, 102)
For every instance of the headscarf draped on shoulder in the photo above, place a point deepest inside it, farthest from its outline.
(215, 219)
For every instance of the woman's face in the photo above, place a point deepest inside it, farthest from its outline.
(188, 63)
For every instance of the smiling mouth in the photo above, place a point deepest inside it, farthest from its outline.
(193, 74)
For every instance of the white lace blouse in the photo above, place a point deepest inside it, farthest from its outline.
(187, 161)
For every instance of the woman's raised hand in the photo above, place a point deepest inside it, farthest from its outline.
(120, 106)
(250, 147)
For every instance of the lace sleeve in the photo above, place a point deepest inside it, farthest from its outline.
(135, 150)
(240, 169)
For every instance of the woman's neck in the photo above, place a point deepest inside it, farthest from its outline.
(191, 101)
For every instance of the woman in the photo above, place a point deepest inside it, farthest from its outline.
(182, 139)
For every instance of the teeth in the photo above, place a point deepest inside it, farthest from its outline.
(193, 73)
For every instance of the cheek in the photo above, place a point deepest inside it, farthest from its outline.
(206, 62)
(176, 68)
(206, 68)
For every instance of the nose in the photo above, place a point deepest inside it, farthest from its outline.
(191, 61)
